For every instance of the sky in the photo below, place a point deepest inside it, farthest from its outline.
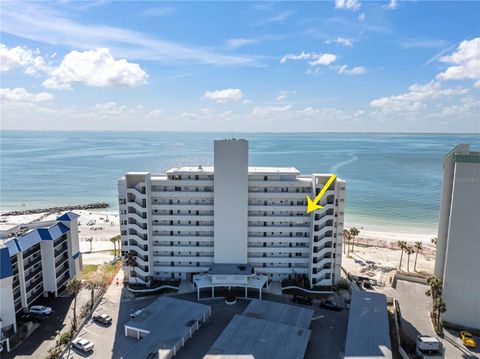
(343, 65)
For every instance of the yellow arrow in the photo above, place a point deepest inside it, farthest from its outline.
(312, 205)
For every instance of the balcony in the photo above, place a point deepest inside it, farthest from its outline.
(62, 249)
(61, 270)
(59, 260)
(182, 206)
(33, 273)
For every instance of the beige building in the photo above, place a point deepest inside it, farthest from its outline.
(458, 247)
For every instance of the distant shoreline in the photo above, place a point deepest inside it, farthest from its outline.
(98, 205)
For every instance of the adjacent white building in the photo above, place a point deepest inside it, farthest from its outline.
(36, 259)
(458, 247)
(182, 222)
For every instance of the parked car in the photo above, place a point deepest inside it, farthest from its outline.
(301, 299)
(467, 339)
(330, 305)
(40, 309)
(137, 313)
(367, 284)
(34, 317)
(82, 344)
(102, 318)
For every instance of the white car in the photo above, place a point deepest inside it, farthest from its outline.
(40, 309)
(138, 312)
(82, 344)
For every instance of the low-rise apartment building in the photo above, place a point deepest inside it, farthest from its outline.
(179, 223)
(36, 259)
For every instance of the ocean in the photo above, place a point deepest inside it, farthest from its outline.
(393, 180)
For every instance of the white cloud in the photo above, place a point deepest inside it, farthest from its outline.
(361, 17)
(392, 5)
(318, 59)
(236, 43)
(20, 95)
(415, 98)
(225, 95)
(347, 4)
(465, 62)
(280, 17)
(95, 68)
(282, 95)
(21, 57)
(39, 22)
(324, 59)
(357, 70)
(341, 41)
(263, 111)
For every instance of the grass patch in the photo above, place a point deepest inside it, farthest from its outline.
(89, 268)
(102, 273)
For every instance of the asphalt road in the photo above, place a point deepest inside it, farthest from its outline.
(37, 344)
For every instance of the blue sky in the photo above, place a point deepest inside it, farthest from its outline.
(343, 65)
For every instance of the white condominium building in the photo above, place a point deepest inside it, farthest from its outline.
(457, 259)
(36, 259)
(182, 222)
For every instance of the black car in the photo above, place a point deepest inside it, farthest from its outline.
(300, 299)
(330, 305)
(102, 318)
(34, 317)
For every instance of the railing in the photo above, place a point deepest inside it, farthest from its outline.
(33, 274)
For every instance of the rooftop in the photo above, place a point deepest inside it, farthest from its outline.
(265, 330)
(167, 321)
(368, 334)
(231, 269)
(247, 337)
(280, 313)
(251, 170)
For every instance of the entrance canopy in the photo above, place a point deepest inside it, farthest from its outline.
(230, 275)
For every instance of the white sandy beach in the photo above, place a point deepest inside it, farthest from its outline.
(381, 251)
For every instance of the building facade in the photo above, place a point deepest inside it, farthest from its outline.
(36, 259)
(180, 223)
(457, 260)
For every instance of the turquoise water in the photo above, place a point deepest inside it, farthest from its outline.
(393, 180)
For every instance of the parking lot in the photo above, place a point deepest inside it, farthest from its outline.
(327, 338)
(110, 340)
(414, 306)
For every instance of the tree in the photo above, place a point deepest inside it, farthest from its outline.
(90, 240)
(74, 285)
(131, 261)
(418, 248)
(91, 285)
(346, 240)
(354, 232)
(434, 241)
(438, 307)
(115, 240)
(409, 250)
(401, 245)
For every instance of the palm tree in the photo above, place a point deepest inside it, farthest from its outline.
(354, 232)
(74, 286)
(418, 248)
(131, 261)
(434, 241)
(409, 250)
(91, 285)
(90, 240)
(435, 291)
(346, 240)
(401, 245)
(115, 240)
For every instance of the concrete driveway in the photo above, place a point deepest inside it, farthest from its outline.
(415, 306)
